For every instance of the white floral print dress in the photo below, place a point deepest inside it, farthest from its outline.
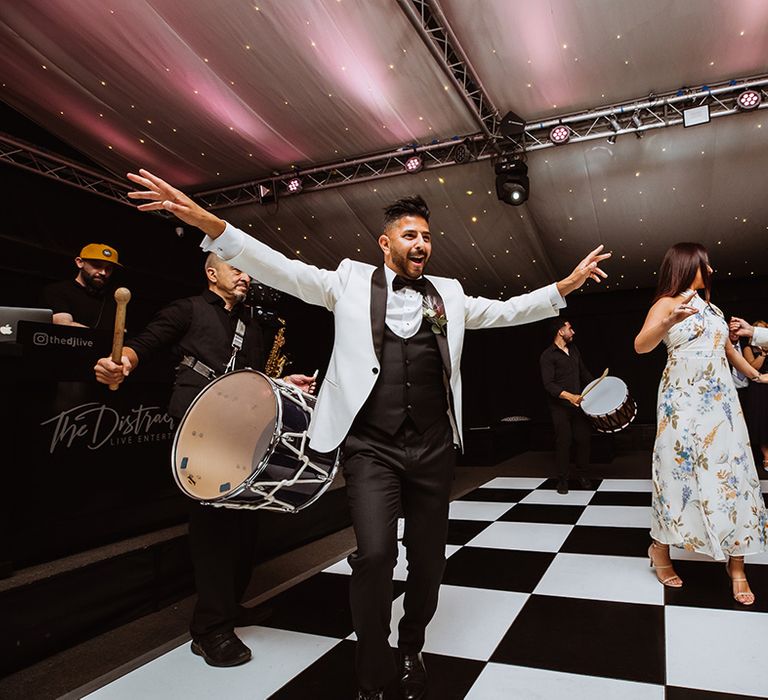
(706, 492)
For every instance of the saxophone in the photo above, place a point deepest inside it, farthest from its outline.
(276, 360)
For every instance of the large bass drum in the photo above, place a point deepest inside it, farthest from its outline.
(243, 444)
(608, 404)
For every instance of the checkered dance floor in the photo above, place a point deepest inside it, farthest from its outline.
(545, 597)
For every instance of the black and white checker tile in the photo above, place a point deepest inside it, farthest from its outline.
(545, 596)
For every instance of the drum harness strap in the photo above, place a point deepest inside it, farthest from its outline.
(201, 368)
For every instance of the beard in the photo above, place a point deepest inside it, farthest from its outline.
(94, 284)
(400, 261)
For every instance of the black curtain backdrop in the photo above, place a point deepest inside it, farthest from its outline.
(500, 368)
(45, 223)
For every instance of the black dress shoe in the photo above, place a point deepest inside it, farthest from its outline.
(370, 695)
(584, 482)
(253, 616)
(562, 486)
(223, 649)
(413, 677)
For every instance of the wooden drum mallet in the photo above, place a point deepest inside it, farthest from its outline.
(122, 297)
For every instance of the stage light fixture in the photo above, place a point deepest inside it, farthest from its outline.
(615, 126)
(748, 100)
(463, 153)
(414, 164)
(559, 134)
(294, 185)
(512, 183)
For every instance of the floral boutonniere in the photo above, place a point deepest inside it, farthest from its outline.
(434, 312)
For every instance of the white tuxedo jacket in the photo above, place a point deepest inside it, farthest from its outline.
(347, 292)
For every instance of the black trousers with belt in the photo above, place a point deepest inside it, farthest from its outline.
(411, 471)
(222, 543)
(571, 425)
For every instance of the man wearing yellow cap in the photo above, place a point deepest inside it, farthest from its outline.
(86, 300)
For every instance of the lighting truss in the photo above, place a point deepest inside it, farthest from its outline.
(433, 28)
(655, 112)
(371, 167)
(37, 160)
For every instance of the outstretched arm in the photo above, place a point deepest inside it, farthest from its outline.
(307, 282)
(534, 306)
(587, 269)
(164, 196)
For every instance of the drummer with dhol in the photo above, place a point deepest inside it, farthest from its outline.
(564, 375)
(200, 331)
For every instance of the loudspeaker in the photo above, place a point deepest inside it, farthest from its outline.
(512, 125)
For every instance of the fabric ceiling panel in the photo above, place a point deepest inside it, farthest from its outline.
(640, 196)
(215, 93)
(546, 57)
(491, 255)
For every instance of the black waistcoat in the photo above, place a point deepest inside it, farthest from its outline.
(410, 384)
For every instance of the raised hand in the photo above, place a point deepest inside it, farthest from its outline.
(740, 328)
(680, 313)
(161, 195)
(589, 268)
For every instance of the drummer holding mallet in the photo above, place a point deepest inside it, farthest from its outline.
(200, 331)
(564, 375)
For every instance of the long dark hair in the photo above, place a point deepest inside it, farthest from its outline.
(679, 267)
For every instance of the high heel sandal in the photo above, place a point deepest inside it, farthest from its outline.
(669, 579)
(745, 598)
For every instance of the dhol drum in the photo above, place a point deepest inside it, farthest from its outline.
(608, 405)
(243, 444)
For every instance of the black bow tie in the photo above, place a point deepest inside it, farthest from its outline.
(419, 285)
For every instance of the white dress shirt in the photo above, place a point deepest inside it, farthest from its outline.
(404, 308)
(760, 337)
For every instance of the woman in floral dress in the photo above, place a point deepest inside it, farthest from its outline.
(706, 492)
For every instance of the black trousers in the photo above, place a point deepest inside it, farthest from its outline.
(410, 471)
(571, 425)
(222, 543)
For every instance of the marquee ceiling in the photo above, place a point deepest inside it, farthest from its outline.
(210, 93)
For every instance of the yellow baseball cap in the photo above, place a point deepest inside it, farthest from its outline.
(100, 251)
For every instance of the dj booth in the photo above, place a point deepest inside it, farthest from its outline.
(85, 466)
(82, 467)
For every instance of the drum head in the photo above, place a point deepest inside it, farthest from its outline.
(225, 435)
(606, 397)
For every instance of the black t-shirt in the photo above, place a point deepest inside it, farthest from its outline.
(92, 309)
(563, 371)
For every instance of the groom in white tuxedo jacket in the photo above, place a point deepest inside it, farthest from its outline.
(392, 396)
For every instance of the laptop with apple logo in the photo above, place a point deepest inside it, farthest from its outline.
(11, 315)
